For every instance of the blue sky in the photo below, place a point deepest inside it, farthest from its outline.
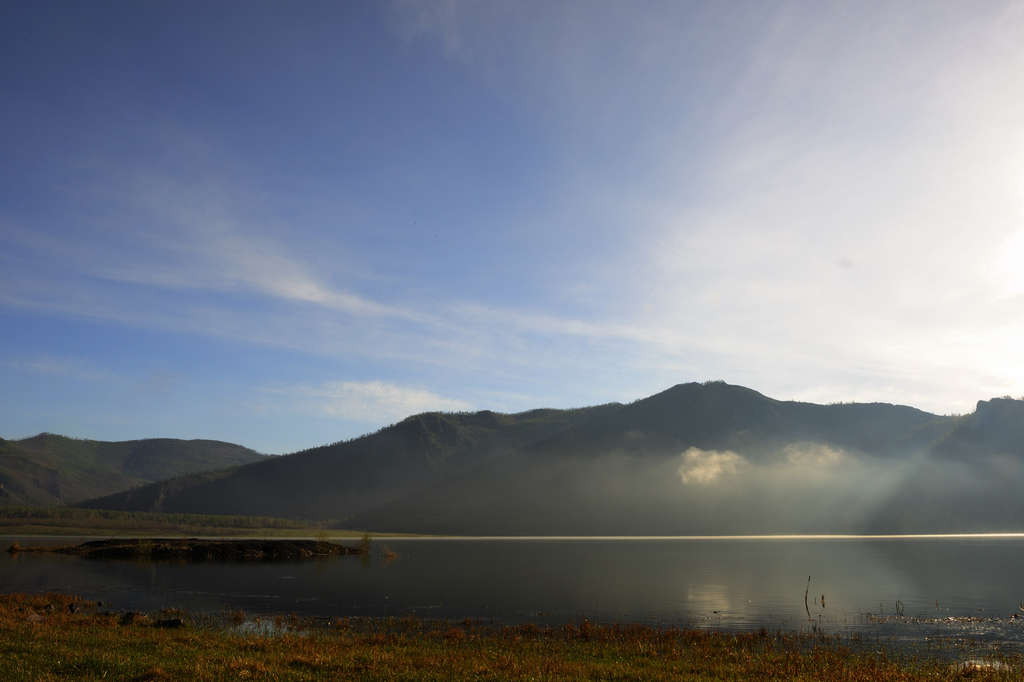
(285, 224)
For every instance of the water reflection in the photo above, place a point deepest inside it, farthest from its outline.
(727, 583)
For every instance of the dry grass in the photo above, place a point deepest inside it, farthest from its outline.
(41, 639)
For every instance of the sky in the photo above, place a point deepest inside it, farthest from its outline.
(288, 224)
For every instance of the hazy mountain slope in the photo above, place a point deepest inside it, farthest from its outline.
(695, 459)
(339, 480)
(49, 469)
(975, 481)
(623, 473)
(996, 427)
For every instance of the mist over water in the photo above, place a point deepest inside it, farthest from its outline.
(801, 489)
(715, 459)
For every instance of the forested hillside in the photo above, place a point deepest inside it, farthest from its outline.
(49, 469)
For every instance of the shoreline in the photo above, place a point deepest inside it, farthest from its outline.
(195, 549)
(57, 636)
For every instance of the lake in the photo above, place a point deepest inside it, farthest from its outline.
(909, 587)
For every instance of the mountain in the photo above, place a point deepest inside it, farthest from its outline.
(49, 469)
(339, 480)
(749, 464)
(975, 479)
(697, 459)
(996, 427)
(718, 416)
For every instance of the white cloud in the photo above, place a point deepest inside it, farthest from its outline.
(704, 467)
(377, 402)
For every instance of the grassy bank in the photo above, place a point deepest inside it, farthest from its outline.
(41, 639)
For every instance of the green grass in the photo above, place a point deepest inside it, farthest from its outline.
(88, 645)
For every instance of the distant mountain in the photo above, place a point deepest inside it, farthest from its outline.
(996, 427)
(340, 480)
(719, 416)
(975, 477)
(48, 469)
(699, 459)
(623, 474)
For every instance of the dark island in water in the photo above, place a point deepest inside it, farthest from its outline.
(193, 549)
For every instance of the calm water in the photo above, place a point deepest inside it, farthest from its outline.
(961, 584)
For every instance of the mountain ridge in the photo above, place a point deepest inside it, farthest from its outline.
(627, 463)
(340, 479)
(49, 469)
(697, 458)
(715, 415)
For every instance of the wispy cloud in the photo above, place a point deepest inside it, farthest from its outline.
(373, 402)
(201, 233)
(75, 368)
